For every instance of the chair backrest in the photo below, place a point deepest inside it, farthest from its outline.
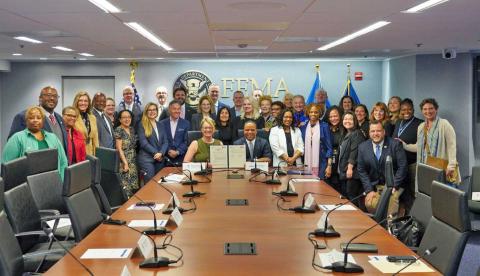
(40, 161)
(11, 261)
(261, 133)
(85, 214)
(15, 172)
(97, 189)
(110, 178)
(96, 169)
(194, 135)
(422, 209)
(475, 179)
(448, 229)
(46, 190)
(425, 175)
(2, 194)
(382, 207)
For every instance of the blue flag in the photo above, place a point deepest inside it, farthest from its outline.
(316, 85)
(350, 91)
(136, 98)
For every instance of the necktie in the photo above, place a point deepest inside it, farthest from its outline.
(378, 153)
(182, 112)
(106, 122)
(52, 119)
(250, 148)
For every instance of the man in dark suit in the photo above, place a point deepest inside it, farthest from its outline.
(176, 129)
(53, 122)
(255, 146)
(236, 109)
(186, 111)
(372, 155)
(129, 103)
(104, 125)
(213, 92)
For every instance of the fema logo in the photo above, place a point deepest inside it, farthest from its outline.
(195, 83)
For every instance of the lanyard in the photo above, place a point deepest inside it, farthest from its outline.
(402, 128)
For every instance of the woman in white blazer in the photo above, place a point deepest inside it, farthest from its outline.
(286, 141)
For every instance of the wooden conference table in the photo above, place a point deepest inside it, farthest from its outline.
(280, 236)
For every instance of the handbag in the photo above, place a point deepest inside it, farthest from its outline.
(407, 230)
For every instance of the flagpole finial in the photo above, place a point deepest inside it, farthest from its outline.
(348, 70)
(317, 66)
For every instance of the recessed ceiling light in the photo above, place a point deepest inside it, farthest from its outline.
(105, 6)
(120, 58)
(82, 59)
(17, 54)
(159, 58)
(61, 48)
(86, 54)
(148, 35)
(356, 34)
(27, 39)
(43, 58)
(425, 5)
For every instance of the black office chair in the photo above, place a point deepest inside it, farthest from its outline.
(100, 195)
(110, 177)
(40, 161)
(197, 134)
(82, 206)
(15, 172)
(448, 229)
(473, 205)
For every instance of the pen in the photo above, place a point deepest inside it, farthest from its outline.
(123, 253)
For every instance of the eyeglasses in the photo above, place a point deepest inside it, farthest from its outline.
(54, 96)
(126, 117)
(70, 115)
(151, 110)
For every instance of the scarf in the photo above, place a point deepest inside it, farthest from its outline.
(432, 141)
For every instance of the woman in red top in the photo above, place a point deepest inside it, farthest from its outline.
(76, 151)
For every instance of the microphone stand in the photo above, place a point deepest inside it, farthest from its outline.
(255, 169)
(273, 181)
(204, 172)
(154, 230)
(427, 252)
(287, 192)
(328, 230)
(303, 208)
(170, 209)
(280, 172)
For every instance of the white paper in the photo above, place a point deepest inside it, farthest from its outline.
(299, 180)
(177, 201)
(321, 221)
(219, 156)
(177, 216)
(194, 166)
(328, 207)
(326, 259)
(237, 156)
(260, 165)
(125, 271)
(292, 187)
(147, 223)
(107, 253)
(146, 246)
(63, 222)
(385, 266)
(476, 196)
(158, 206)
(309, 201)
(175, 178)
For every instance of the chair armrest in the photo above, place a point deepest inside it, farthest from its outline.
(43, 253)
(48, 212)
(31, 233)
(114, 208)
(47, 218)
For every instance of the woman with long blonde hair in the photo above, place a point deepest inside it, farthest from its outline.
(250, 112)
(86, 122)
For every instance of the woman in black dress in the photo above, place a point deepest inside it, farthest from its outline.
(334, 115)
(227, 133)
(361, 112)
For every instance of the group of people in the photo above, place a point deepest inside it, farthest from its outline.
(343, 144)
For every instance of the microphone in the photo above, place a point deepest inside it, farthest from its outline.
(281, 172)
(154, 230)
(303, 208)
(190, 181)
(273, 181)
(287, 192)
(170, 209)
(205, 171)
(328, 230)
(255, 169)
(50, 234)
(427, 252)
(347, 267)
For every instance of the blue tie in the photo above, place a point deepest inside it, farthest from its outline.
(378, 153)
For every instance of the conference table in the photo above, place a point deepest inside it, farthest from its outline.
(280, 236)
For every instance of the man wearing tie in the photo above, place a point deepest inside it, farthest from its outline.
(176, 129)
(53, 121)
(162, 96)
(129, 104)
(104, 125)
(213, 92)
(186, 111)
(372, 155)
(255, 147)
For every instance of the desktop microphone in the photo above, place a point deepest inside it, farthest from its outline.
(170, 209)
(304, 209)
(50, 234)
(347, 267)
(328, 230)
(427, 252)
(255, 169)
(287, 192)
(190, 181)
(154, 230)
(279, 171)
(204, 172)
(273, 181)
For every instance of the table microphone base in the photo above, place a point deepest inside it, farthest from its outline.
(193, 194)
(155, 262)
(303, 209)
(203, 172)
(282, 173)
(346, 267)
(190, 182)
(169, 210)
(287, 193)
(255, 170)
(156, 231)
(329, 232)
(273, 182)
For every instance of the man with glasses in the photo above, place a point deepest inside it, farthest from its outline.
(236, 109)
(162, 96)
(213, 92)
(129, 104)
(53, 122)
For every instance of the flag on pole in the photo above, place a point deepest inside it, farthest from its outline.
(317, 84)
(349, 90)
(133, 66)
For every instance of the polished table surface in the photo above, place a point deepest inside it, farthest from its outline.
(280, 236)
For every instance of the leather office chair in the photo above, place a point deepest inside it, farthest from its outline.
(197, 134)
(42, 161)
(474, 206)
(15, 172)
(110, 176)
(85, 214)
(448, 229)
(98, 191)
(382, 207)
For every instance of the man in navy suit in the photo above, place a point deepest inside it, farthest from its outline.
(236, 109)
(213, 92)
(372, 155)
(255, 147)
(104, 125)
(53, 122)
(176, 129)
(129, 103)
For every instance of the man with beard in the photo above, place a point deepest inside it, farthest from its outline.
(186, 111)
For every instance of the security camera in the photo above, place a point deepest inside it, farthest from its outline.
(449, 53)
(242, 45)
(21, 46)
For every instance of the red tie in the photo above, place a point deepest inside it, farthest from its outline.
(52, 119)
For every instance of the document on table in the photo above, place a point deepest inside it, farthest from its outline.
(175, 177)
(147, 223)
(107, 253)
(328, 207)
(383, 265)
(326, 259)
(237, 156)
(299, 180)
(219, 156)
(61, 222)
(158, 206)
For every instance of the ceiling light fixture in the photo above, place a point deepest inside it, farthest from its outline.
(17, 54)
(148, 35)
(86, 54)
(61, 48)
(28, 39)
(425, 5)
(105, 6)
(120, 58)
(43, 58)
(356, 34)
(82, 59)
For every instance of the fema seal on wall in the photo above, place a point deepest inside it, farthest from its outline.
(195, 83)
